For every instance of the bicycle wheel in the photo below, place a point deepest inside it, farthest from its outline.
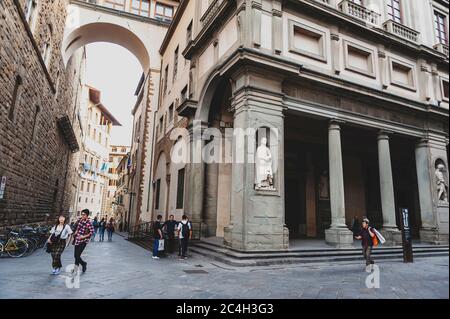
(31, 246)
(21, 247)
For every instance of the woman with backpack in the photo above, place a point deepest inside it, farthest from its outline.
(57, 242)
(110, 228)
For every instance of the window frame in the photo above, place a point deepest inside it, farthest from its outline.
(391, 10)
(165, 6)
(437, 33)
(140, 11)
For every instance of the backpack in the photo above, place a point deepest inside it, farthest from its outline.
(185, 230)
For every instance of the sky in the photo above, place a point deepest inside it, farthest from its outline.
(116, 72)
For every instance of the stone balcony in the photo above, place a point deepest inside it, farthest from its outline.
(401, 31)
(359, 12)
(212, 11)
(443, 48)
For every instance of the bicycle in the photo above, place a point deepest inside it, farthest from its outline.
(13, 245)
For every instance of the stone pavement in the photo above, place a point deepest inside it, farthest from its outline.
(121, 269)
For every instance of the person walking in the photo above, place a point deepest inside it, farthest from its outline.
(101, 229)
(170, 226)
(157, 236)
(110, 228)
(96, 225)
(184, 234)
(366, 236)
(82, 235)
(58, 240)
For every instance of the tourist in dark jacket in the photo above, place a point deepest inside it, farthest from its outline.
(366, 236)
(157, 236)
(170, 226)
(101, 229)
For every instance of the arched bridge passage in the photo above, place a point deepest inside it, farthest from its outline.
(106, 32)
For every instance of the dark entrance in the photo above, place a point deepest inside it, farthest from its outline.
(307, 205)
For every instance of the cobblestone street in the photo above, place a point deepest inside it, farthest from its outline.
(123, 270)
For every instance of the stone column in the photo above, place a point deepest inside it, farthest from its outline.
(390, 229)
(434, 213)
(211, 194)
(338, 234)
(195, 174)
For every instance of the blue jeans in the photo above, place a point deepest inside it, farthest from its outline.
(155, 247)
(102, 234)
(110, 232)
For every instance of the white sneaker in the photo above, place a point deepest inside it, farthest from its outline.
(53, 271)
(57, 271)
(155, 257)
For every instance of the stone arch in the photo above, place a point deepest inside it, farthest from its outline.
(207, 94)
(214, 109)
(105, 32)
(160, 192)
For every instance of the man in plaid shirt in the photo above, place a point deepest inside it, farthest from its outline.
(82, 235)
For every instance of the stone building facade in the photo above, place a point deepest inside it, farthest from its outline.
(352, 96)
(116, 154)
(38, 98)
(93, 172)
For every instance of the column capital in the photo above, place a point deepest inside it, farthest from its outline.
(423, 142)
(335, 124)
(384, 134)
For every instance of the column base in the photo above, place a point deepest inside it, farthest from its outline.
(253, 241)
(432, 236)
(339, 237)
(393, 236)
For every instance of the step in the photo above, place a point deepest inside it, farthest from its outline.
(239, 262)
(314, 249)
(312, 253)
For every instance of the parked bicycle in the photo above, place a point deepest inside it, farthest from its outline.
(33, 237)
(13, 245)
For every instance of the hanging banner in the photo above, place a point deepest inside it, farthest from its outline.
(2, 186)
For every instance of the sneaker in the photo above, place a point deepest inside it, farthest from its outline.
(54, 271)
(57, 271)
(155, 257)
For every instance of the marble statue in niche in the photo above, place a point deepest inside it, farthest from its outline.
(441, 183)
(263, 167)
